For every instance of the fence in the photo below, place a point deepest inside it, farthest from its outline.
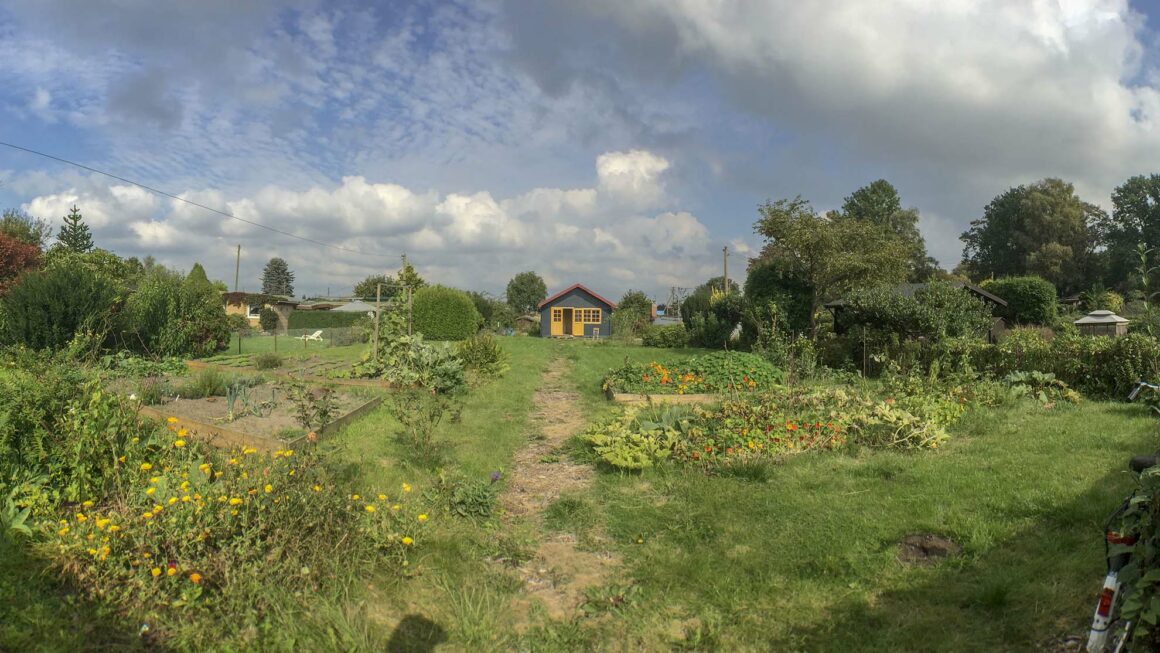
(294, 340)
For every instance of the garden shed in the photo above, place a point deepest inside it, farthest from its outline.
(576, 312)
(1102, 323)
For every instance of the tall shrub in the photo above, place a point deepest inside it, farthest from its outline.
(47, 308)
(1030, 300)
(442, 313)
(168, 316)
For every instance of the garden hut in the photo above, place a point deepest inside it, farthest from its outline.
(1102, 323)
(576, 312)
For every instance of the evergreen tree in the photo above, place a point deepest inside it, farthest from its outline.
(409, 278)
(277, 279)
(75, 235)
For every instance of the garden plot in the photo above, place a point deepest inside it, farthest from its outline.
(266, 416)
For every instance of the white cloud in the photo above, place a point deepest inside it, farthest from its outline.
(471, 240)
(633, 178)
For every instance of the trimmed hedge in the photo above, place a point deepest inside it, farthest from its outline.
(323, 319)
(441, 313)
(1096, 366)
(669, 336)
(1030, 300)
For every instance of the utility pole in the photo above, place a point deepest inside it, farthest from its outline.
(237, 268)
(725, 259)
(378, 313)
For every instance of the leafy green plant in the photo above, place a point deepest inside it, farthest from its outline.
(483, 354)
(419, 413)
(1041, 386)
(152, 391)
(314, 407)
(268, 319)
(627, 442)
(408, 361)
(267, 361)
(715, 372)
(206, 383)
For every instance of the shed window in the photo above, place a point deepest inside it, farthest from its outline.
(589, 315)
(254, 311)
(557, 315)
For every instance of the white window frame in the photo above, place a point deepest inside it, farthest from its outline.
(251, 313)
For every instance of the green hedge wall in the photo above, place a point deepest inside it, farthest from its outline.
(323, 319)
(441, 313)
(1030, 300)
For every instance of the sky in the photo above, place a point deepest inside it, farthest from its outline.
(616, 143)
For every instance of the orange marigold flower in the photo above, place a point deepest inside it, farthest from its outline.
(195, 578)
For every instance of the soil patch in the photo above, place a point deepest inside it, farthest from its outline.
(559, 573)
(927, 549)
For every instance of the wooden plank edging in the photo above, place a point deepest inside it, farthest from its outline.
(646, 399)
(223, 437)
(311, 378)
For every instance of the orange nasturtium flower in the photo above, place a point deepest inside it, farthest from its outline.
(195, 578)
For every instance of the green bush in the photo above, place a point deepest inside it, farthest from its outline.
(267, 360)
(268, 319)
(483, 354)
(939, 310)
(46, 309)
(323, 319)
(672, 336)
(442, 313)
(1030, 300)
(206, 383)
(713, 325)
(169, 316)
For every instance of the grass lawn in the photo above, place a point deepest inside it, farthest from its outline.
(797, 555)
(291, 346)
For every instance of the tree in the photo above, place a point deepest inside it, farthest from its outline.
(16, 257)
(634, 313)
(20, 226)
(1135, 220)
(48, 307)
(409, 279)
(1043, 229)
(879, 204)
(277, 279)
(75, 235)
(197, 277)
(367, 288)
(525, 291)
(832, 256)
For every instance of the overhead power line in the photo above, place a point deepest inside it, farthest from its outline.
(190, 202)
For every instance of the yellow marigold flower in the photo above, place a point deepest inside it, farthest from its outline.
(181, 433)
(156, 571)
(234, 513)
(185, 499)
(172, 500)
(81, 517)
(232, 461)
(120, 459)
(269, 488)
(151, 490)
(147, 515)
(204, 467)
(406, 487)
(235, 501)
(113, 528)
(245, 475)
(249, 450)
(422, 517)
(317, 488)
(223, 498)
(179, 443)
(172, 571)
(396, 507)
(408, 541)
(291, 473)
(289, 452)
(382, 497)
(195, 578)
(185, 485)
(102, 523)
(369, 508)
(87, 504)
(63, 531)
(146, 467)
(355, 497)
(155, 479)
(92, 552)
(171, 420)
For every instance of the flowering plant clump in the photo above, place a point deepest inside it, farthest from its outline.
(712, 373)
(774, 423)
(175, 532)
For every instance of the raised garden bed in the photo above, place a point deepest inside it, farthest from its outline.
(312, 371)
(272, 426)
(642, 399)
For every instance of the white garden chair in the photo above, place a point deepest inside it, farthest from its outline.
(316, 336)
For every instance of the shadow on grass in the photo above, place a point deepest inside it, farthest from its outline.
(38, 612)
(416, 634)
(1006, 598)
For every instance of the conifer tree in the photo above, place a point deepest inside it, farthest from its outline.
(75, 234)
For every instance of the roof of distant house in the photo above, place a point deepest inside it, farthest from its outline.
(575, 286)
(354, 307)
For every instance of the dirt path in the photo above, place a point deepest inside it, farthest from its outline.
(559, 572)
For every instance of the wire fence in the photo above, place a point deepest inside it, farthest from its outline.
(294, 340)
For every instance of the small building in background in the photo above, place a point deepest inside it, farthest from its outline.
(1102, 323)
(576, 312)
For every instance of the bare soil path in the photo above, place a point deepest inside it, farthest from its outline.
(559, 572)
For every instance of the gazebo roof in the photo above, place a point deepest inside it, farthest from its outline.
(1101, 317)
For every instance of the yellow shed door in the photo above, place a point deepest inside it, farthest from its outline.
(557, 322)
(577, 324)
